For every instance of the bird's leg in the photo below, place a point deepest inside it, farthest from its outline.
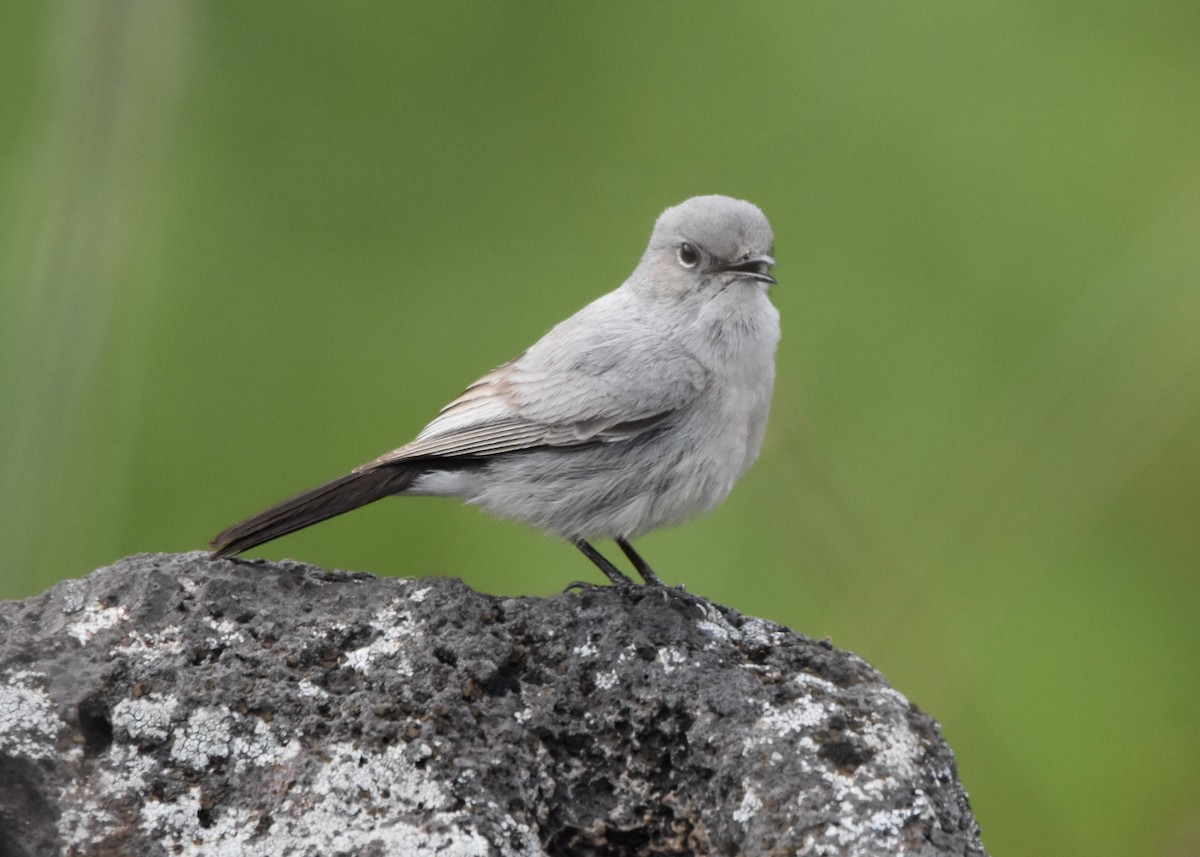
(643, 568)
(618, 579)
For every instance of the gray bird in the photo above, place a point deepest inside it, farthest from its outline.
(640, 411)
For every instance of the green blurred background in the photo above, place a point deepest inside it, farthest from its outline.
(245, 247)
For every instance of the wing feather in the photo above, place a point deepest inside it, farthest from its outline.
(589, 380)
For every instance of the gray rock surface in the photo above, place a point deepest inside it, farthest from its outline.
(177, 705)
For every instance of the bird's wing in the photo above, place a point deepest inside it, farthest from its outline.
(567, 390)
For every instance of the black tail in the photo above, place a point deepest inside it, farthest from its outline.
(325, 501)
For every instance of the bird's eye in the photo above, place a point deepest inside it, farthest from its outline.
(688, 255)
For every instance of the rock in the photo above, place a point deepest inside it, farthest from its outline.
(179, 705)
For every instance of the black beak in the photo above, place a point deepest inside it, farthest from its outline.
(753, 267)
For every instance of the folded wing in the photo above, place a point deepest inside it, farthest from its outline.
(553, 396)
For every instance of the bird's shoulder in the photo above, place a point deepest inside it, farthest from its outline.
(615, 354)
